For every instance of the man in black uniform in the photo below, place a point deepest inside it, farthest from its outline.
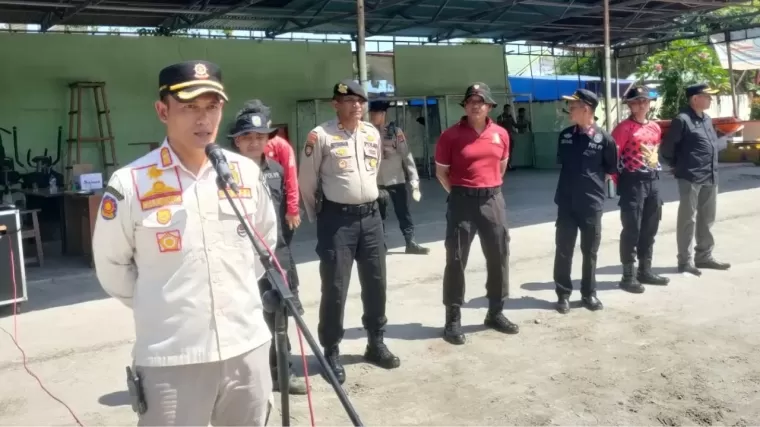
(587, 153)
(250, 134)
(338, 180)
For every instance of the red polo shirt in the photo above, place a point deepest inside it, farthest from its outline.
(280, 150)
(473, 160)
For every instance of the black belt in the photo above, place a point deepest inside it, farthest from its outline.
(361, 209)
(476, 192)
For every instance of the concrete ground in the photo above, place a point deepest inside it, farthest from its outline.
(685, 354)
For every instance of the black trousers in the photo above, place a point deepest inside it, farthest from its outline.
(285, 258)
(568, 224)
(511, 148)
(346, 233)
(640, 213)
(482, 212)
(287, 235)
(399, 196)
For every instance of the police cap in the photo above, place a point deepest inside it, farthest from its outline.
(379, 104)
(349, 87)
(479, 89)
(638, 92)
(191, 79)
(252, 120)
(585, 96)
(699, 89)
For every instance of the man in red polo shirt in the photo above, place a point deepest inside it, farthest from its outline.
(471, 158)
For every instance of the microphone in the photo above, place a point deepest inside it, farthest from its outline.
(219, 162)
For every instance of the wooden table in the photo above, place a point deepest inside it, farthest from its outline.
(80, 212)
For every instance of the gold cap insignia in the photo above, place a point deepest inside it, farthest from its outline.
(342, 88)
(476, 87)
(201, 72)
(256, 120)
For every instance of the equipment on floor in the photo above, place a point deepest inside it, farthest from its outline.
(105, 134)
(11, 254)
(8, 175)
(42, 167)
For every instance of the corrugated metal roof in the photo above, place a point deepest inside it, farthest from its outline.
(553, 21)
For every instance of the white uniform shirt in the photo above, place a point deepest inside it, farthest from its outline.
(168, 244)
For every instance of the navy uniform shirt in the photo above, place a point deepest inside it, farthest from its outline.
(691, 147)
(273, 175)
(586, 157)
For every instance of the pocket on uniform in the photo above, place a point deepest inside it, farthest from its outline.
(233, 232)
(370, 157)
(342, 158)
(162, 228)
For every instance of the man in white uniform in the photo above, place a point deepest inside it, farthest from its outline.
(168, 245)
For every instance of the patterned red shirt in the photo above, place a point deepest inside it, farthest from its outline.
(638, 145)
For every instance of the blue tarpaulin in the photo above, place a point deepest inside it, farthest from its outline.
(552, 88)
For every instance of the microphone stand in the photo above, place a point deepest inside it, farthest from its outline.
(279, 301)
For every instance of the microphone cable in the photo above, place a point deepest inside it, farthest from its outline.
(14, 336)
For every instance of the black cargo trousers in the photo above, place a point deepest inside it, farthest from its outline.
(640, 213)
(569, 222)
(480, 211)
(346, 233)
(398, 194)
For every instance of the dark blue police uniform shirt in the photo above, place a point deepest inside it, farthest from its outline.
(273, 176)
(585, 157)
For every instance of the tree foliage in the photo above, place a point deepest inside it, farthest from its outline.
(683, 63)
(584, 66)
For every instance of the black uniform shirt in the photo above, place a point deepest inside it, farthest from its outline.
(272, 174)
(585, 156)
(691, 147)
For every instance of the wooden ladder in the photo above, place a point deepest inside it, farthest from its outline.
(105, 134)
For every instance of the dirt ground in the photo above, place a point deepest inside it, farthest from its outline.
(685, 354)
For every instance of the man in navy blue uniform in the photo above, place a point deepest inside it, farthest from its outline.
(587, 154)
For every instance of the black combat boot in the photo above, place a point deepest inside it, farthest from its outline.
(332, 354)
(629, 283)
(452, 331)
(689, 268)
(495, 319)
(647, 276)
(413, 248)
(712, 264)
(377, 352)
(563, 304)
(592, 303)
(296, 385)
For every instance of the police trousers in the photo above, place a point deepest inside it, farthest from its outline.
(287, 235)
(640, 214)
(285, 258)
(480, 211)
(569, 222)
(399, 195)
(346, 233)
(233, 392)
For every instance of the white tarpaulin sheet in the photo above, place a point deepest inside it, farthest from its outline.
(745, 54)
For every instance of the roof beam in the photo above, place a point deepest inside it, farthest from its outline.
(317, 23)
(466, 18)
(51, 20)
(218, 14)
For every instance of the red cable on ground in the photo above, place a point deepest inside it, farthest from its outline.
(14, 337)
(298, 330)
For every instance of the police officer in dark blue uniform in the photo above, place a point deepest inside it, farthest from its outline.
(587, 154)
(250, 133)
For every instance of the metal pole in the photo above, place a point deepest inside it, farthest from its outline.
(727, 37)
(607, 66)
(618, 97)
(361, 53)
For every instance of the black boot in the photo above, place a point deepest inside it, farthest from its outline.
(452, 331)
(296, 386)
(629, 283)
(413, 248)
(332, 355)
(647, 276)
(712, 264)
(495, 319)
(563, 304)
(592, 303)
(377, 352)
(689, 268)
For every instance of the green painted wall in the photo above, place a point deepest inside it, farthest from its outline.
(37, 69)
